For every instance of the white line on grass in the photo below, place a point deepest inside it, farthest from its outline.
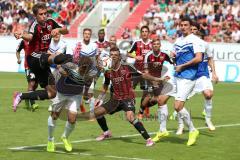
(84, 154)
(30, 148)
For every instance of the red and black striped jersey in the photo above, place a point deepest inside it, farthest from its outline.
(141, 49)
(41, 35)
(122, 81)
(153, 62)
(25, 46)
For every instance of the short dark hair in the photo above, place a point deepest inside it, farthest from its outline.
(115, 49)
(101, 31)
(195, 24)
(85, 61)
(87, 29)
(38, 6)
(186, 18)
(146, 27)
(156, 38)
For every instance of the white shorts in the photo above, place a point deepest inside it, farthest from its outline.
(170, 88)
(203, 83)
(184, 88)
(71, 103)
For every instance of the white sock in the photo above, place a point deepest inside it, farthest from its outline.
(51, 127)
(184, 114)
(68, 129)
(91, 103)
(163, 114)
(208, 108)
(180, 121)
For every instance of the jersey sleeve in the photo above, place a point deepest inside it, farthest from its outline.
(208, 50)
(33, 28)
(20, 46)
(146, 59)
(63, 48)
(133, 47)
(198, 46)
(55, 24)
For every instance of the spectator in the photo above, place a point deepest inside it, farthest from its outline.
(8, 22)
(235, 35)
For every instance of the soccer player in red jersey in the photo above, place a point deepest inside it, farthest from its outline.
(30, 76)
(158, 93)
(39, 38)
(123, 98)
(141, 48)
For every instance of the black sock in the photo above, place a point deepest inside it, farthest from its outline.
(102, 123)
(32, 102)
(141, 109)
(35, 95)
(139, 126)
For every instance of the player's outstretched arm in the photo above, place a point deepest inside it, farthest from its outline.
(26, 36)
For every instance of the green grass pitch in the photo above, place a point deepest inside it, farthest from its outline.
(25, 128)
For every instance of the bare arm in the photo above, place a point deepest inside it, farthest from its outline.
(62, 30)
(18, 57)
(197, 59)
(212, 66)
(26, 36)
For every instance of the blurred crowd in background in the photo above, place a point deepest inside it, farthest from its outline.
(219, 19)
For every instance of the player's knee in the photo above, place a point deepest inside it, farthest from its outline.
(72, 119)
(51, 94)
(208, 94)
(54, 115)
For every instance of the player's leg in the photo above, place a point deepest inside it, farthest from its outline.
(129, 108)
(162, 117)
(208, 94)
(57, 106)
(73, 107)
(184, 88)
(106, 132)
(45, 79)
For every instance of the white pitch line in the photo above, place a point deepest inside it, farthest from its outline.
(118, 137)
(84, 154)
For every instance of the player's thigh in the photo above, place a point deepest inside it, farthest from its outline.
(203, 83)
(59, 102)
(74, 104)
(127, 105)
(111, 105)
(184, 88)
(45, 77)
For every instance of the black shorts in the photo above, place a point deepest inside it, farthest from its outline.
(112, 106)
(30, 76)
(43, 75)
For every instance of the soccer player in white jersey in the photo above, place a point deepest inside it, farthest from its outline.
(70, 81)
(57, 46)
(188, 54)
(203, 82)
(88, 48)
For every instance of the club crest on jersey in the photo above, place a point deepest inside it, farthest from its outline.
(161, 58)
(49, 27)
